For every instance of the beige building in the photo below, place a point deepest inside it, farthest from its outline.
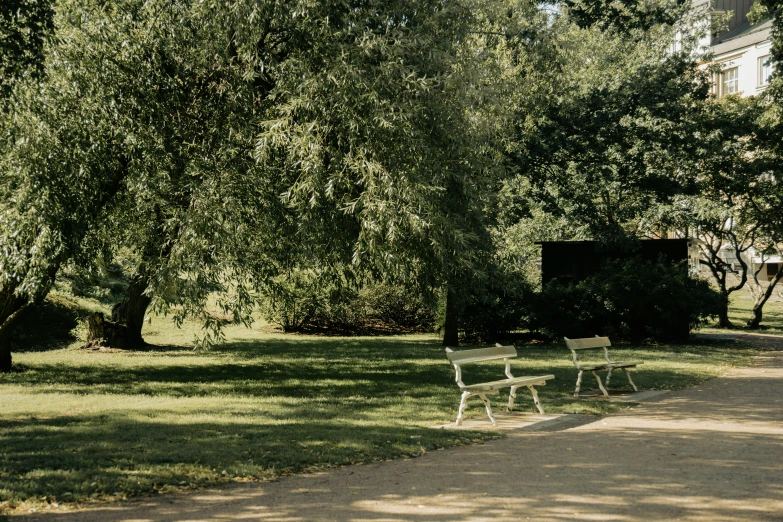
(742, 49)
(766, 265)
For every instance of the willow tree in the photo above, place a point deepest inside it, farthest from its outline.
(189, 108)
(172, 129)
(60, 164)
(364, 119)
(109, 146)
(398, 124)
(24, 27)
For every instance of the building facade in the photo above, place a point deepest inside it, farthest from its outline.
(741, 48)
(767, 266)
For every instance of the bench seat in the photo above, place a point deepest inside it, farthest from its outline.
(506, 383)
(614, 364)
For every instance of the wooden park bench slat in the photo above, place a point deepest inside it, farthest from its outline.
(608, 365)
(481, 354)
(485, 388)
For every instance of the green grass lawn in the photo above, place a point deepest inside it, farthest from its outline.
(78, 426)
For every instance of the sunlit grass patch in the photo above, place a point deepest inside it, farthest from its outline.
(740, 309)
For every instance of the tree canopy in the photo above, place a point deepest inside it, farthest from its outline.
(219, 148)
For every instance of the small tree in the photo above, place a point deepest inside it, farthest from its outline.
(720, 233)
(761, 291)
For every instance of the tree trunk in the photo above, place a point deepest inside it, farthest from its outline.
(756, 316)
(14, 307)
(131, 310)
(450, 322)
(6, 329)
(11, 309)
(101, 332)
(755, 320)
(6, 361)
(723, 313)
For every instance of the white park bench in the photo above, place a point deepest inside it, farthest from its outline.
(607, 364)
(485, 388)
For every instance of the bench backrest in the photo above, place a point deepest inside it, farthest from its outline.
(478, 355)
(481, 354)
(587, 343)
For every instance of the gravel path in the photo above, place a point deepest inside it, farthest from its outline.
(709, 453)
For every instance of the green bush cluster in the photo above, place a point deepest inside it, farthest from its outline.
(309, 300)
(630, 299)
(395, 305)
(502, 305)
(292, 300)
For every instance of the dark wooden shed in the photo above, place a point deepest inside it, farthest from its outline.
(576, 260)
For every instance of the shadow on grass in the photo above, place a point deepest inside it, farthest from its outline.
(46, 327)
(326, 402)
(287, 383)
(707, 475)
(340, 368)
(119, 455)
(740, 312)
(102, 456)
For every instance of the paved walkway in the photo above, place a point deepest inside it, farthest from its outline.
(709, 453)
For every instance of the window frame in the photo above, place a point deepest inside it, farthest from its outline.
(760, 77)
(772, 270)
(724, 80)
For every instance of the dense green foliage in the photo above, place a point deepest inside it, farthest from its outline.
(24, 25)
(310, 300)
(617, 143)
(170, 130)
(502, 306)
(735, 170)
(625, 16)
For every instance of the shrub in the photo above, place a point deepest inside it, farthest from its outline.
(632, 299)
(398, 306)
(293, 299)
(498, 307)
(309, 299)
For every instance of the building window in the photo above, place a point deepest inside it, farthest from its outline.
(729, 81)
(772, 270)
(765, 70)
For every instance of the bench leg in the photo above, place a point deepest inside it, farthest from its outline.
(628, 374)
(535, 399)
(511, 396)
(597, 378)
(489, 409)
(608, 377)
(578, 384)
(462, 403)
